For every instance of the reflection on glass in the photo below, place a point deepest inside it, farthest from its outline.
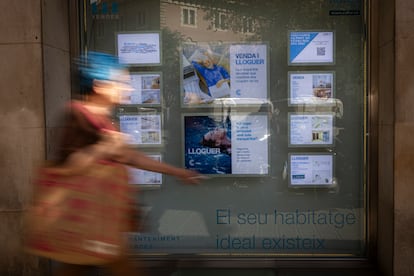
(231, 77)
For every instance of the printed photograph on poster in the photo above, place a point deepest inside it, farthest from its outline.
(226, 145)
(141, 129)
(146, 89)
(207, 144)
(214, 71)
(311, 88)
(143, 177)
(138, 49)
(314, 129)
(311, 169)
(311, 47)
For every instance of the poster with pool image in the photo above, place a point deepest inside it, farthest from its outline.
(235, 144)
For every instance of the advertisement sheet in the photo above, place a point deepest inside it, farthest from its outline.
(311, 129)
(142, 129)
(146, 89)
(233, 145)
(271, 102)
(311, 169)
(311, 88)
(138, 48)
(224, 71)
(311, 47)
(248, 74)
(143, 177)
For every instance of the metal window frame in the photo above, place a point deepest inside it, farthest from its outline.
(372, 59)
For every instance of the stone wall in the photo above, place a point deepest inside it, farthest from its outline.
(34, 62)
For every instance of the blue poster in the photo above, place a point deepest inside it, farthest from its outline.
(311, 47)
(223, 145)
(208, 144)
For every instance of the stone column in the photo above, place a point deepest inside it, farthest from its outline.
(35, 80)
(404, 145)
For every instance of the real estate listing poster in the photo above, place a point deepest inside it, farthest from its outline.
(230, 145)
(311, 129)
(138, 49)
(146, 89)
(143, 177)
(214, 71)
(311, 47)
(143, 129)
(311, 169)
(311, 88)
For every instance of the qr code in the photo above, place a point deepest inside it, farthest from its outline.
(320, 51)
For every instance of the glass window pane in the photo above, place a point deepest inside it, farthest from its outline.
(192, 17)
(273, 112)
(185, 16)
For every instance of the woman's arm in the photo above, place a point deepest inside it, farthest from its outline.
(139, 160)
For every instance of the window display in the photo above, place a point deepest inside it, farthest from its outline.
(275, 117)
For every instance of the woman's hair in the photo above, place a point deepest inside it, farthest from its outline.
(96, 66)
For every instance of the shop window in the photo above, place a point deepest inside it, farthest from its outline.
(275, 119)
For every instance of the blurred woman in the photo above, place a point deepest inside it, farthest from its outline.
(90, 135)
